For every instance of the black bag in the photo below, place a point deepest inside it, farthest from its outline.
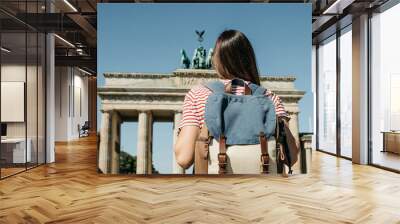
(287, 148)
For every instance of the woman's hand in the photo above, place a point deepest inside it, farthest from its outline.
(185, 145)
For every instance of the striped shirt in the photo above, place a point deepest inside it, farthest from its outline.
(195, 103)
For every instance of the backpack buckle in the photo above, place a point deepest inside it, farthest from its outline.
(208, 141)
(264, 163)
(222, 162)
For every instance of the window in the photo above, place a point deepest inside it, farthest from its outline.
(327, 95)
(346, 92)
(385, 88)
(22, 101)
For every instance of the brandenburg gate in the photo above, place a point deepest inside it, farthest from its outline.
(146, 98)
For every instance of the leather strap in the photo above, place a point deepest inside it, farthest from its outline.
(222, 158)
(201, 151)
(264, 154)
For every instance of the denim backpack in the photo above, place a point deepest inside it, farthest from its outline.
(230, 119)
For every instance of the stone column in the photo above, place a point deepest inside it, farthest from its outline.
(294, 128)
(306, 153)
(142, 158)
(176, 169)
(105, 142)
(115, 143)
(149, 149)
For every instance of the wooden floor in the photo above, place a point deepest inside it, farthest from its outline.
(70, 191)
(11, 170)
(387, 159)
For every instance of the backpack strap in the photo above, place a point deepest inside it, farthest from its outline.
(201, 151)
(222, 157)
(256, 90)
(264, 154)
(215, 86)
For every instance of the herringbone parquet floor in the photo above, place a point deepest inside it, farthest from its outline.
(70, 191)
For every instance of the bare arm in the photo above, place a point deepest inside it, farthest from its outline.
(279, 108)
(185, 145)
(190, 126)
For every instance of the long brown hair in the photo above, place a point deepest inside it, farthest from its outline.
(234, 57)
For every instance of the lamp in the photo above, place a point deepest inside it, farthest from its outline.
(70, 5)
(84, 71)
(64, 40)
(337, 7)
(5, 50)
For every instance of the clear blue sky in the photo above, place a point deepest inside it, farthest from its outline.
(148, 38)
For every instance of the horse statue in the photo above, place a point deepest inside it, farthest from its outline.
(195, 59)
(209, 58)
(199, 58)
(202, 57)
(185, 62)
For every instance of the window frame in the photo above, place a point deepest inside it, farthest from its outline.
(339, 32)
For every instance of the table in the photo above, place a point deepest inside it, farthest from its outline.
(13, 150)
(391, 141)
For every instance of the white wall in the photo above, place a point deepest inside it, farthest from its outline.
(14, 73)
(71, 94)
(62, 81)
(33, 126)
(13, 101)
(81, 103)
